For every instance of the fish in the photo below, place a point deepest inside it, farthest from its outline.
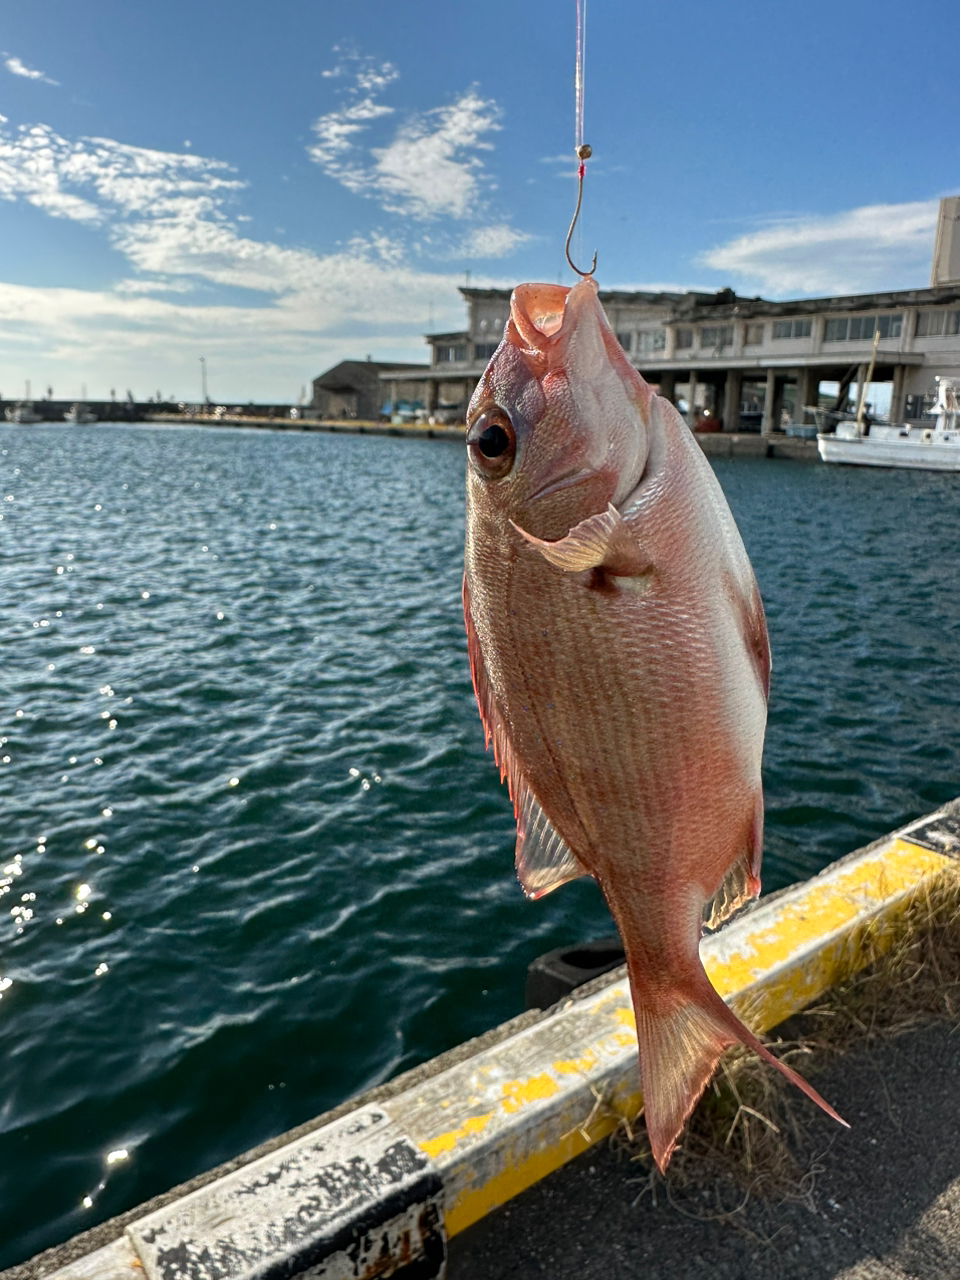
(621, 665)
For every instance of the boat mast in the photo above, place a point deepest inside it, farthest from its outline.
(866, 382)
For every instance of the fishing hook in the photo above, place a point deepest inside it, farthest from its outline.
(584, 152)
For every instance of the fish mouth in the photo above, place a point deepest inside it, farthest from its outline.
(537, 312)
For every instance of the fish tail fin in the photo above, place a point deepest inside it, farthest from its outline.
(680, 1046)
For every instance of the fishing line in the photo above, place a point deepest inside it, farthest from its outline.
(582, 149)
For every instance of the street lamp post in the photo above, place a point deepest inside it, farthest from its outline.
(203, 379)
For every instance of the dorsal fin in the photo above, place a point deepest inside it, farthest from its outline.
(601, 541)
(544, 859)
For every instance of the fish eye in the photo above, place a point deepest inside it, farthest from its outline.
(492, 443)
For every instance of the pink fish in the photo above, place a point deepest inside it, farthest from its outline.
(621, 665)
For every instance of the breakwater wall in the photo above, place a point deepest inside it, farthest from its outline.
(714, 444)
(377, 1186)
(278, 418)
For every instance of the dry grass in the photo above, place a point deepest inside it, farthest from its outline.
(750, 1136)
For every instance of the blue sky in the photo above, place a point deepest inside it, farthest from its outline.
(279, 186)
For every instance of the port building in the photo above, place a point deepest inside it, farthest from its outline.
(750, 363)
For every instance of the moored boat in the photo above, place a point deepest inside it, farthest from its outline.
(22, 411)
(79, 413)
(934, 448)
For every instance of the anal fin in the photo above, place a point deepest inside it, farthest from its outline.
(741, 884)
(544, 859)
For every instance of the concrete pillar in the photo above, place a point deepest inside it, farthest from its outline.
(394, 396)
(668, 385)
(767, 424)
(896, 396)
(908, 331)
(692, 398)
(731, 400)
(431, 397)
(670, 345)
(808, 389)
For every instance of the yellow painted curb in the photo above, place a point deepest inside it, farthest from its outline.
(499, 1122)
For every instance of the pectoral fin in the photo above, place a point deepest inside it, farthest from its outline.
(600, 542)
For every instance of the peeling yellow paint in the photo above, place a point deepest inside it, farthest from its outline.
(474, 1202)
(826, 907)
(626, 1017)
(576, 1066)
(444, 1142)
(517, 1093)
(616, 996)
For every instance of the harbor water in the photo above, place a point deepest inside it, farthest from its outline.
(254, 857)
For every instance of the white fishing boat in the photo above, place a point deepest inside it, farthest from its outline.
(925, 448)
(23, 410)
(79, 413)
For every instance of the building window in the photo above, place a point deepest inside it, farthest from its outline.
(953, 322)
(792, 328)
(684, 339)
(716, 335)
(863, 328)
(754, 335)
(625, 340)
(451, 354)
(484, 350)
(930, 324)
(650, 340)
(835, 331)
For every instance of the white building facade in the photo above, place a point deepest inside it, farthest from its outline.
(749, 363)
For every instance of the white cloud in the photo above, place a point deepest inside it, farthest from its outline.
(18, 68)
(96, 180)
(883, 246)
(428, 169)
(153, 286)
(493, 242)
(168, 214)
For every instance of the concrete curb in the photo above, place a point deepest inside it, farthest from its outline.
(377, 1192)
